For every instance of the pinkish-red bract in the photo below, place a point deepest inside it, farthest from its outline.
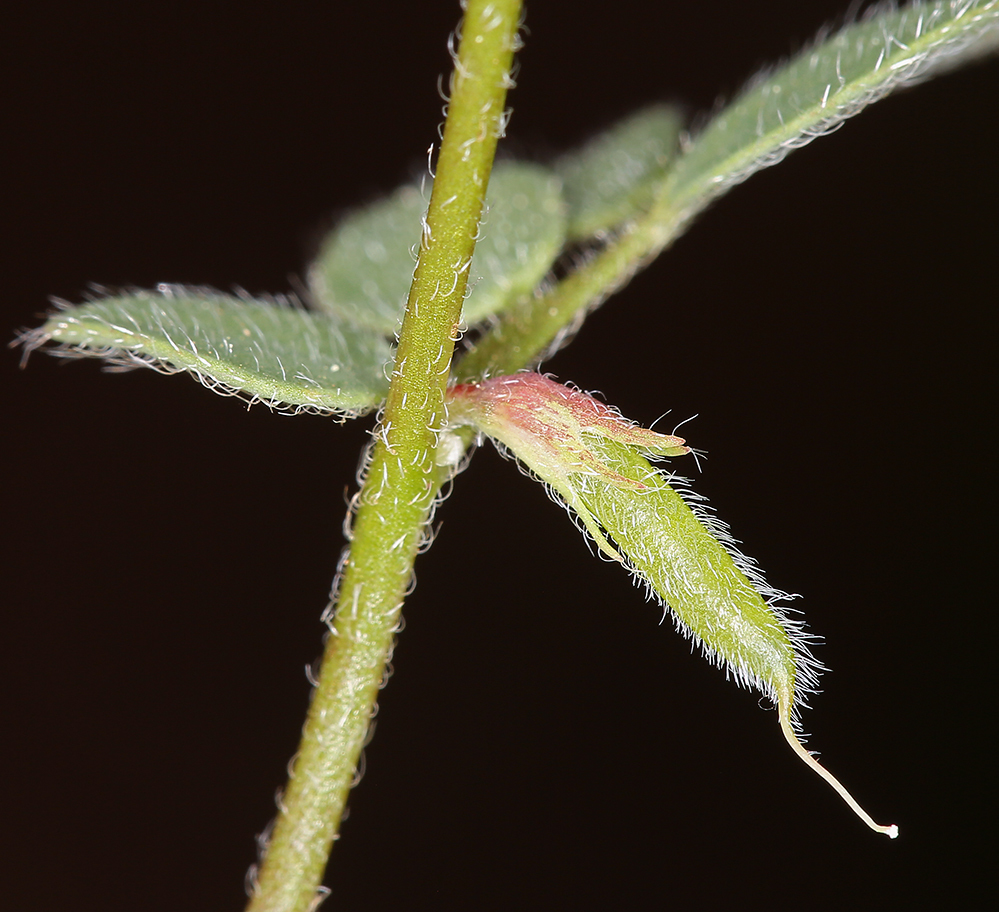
(546, 424)
(557, 432)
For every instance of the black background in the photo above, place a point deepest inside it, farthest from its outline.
(168, 553)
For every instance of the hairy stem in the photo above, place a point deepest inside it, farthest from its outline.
(402, 481)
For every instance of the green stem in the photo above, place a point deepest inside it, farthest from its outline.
(402, 481)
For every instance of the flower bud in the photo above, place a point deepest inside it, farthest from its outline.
(597, 463)
(558, 433)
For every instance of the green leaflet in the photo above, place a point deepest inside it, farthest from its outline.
(597, 463)
(790, 106)
(268, 351)
(365, 266)
(612, 177)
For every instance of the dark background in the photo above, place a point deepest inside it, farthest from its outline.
(168, 553)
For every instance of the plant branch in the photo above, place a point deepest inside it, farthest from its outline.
(402, 480)
(778, 112)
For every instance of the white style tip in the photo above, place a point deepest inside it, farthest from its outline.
(890, 831)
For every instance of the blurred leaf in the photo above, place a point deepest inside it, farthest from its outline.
(613, 176)
(365, 266)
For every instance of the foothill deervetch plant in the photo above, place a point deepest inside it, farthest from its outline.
(555, 243)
